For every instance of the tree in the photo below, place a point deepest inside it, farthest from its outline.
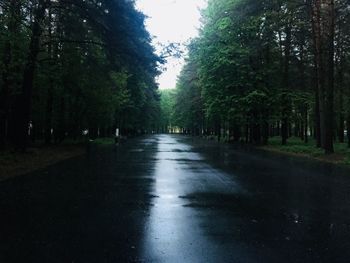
(323, 21)
(79, 65)
(266, 68)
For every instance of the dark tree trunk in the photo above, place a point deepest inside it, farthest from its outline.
(246, 132)
(218, 130)
(256, 129)
(297, 128)
(306, 121)
(340, 93)
(61, 123)
(317, 127)
(10, 47)
(265, 132)
(315, 21)
(285, 87)
(23, 101)
(301, 130)
(323, 35)
(348, 129)
(236, 133)
(279, 128)
(284, 131)
(305, 106)
(48, 119)
(329, 26)
(341, 120)
(5, 95)
(49, 100)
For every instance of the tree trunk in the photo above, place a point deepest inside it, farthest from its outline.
(328, 36)
(317, 127)
(341, 120)
(265, 131)
(323, 35)
(340, 98)
(48, 119)
(10, 47)
(5, 95)
(348, 129)
(49, 101)
(305, 106)
(306, 121)
(246, 132)
(23, 102)
(285, 87)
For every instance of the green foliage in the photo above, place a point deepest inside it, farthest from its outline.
(251, 71)
(167, 103)
(96, 67)
(298, 147)
(188, 109)
(295, 145)
(104, 141)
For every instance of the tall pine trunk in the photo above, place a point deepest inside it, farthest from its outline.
(323, 35)
(5, 95)
(328, 36)
(49, 100)
(348, 128)
(341, 117)
(23, 102)
(8, 81)
(285, 86)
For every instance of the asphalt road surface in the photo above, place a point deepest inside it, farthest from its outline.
(168, 198)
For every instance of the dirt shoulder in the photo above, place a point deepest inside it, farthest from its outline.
(14, 164)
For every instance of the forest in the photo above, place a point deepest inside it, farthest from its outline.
(67, 66)
(261, 69)
(258, 69)
(104, 157)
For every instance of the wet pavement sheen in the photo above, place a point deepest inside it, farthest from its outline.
(168, 198)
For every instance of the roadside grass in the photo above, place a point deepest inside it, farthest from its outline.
(37, 157)
(298, 147)
(103, 141)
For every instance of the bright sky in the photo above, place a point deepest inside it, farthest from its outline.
(172, 21)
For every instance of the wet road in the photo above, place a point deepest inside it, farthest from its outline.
(169, 198)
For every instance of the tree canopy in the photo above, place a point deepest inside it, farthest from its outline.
(68, 66)
(265, 68)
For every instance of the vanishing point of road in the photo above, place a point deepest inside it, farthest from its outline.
(169, 198)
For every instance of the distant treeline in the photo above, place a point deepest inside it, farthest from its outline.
(267, 68)
(73, 65)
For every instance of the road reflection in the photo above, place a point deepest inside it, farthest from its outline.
(174, 230)
(212, 203)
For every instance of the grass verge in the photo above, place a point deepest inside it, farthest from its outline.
(296, 146)
(14, 163)
(104, 141)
